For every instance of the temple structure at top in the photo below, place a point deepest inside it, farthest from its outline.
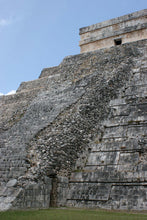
(121, 30)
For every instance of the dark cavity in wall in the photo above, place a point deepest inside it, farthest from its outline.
(118, 41)
(53, 194)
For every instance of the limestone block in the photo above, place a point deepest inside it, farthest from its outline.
(103, 158)
(128, 158)
(12, 183)
(89, 191)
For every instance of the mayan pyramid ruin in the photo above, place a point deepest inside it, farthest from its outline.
(77, 135)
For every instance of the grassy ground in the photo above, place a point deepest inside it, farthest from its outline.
(70, 214)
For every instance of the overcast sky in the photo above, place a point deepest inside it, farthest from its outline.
(35, 34)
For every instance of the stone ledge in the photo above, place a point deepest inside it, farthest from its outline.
(114, 21)
(113, 34)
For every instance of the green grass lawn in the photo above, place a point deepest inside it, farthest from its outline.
(70, 214)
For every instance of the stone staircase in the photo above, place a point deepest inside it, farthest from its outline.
(115, 171)
(84, 123)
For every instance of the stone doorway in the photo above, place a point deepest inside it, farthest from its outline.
(53, 194)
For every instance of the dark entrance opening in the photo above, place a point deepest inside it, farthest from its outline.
(53, 193)
(118, 41)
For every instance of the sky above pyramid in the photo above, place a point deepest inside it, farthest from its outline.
(35, 34)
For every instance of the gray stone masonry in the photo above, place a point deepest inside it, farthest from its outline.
(113, 21)
(77, 136)
(128, 28)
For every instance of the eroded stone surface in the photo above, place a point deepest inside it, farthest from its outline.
(11, 183)
(77, 135)
(121, 30)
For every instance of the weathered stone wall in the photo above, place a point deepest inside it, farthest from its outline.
(77, 135)
(128, 28)
(110, 41)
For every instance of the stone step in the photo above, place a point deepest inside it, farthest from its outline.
(110, 175)
(112, 158)
(119, 120)
(137, 90)
(13, 107)
(118, 144)
(19, 97)
(49, 71)
(129, 131)
(40, 83)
